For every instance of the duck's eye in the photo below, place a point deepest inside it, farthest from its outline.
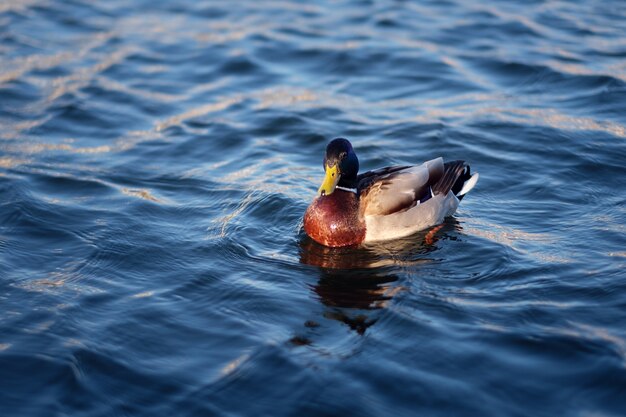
(332, 175)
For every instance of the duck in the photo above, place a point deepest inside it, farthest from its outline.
(352, 209)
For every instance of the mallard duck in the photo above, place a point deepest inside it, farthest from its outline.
(383, 204)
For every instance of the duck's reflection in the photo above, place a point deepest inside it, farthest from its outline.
(346, 291)
(354, 282)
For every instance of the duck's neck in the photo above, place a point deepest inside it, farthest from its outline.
(347, 183)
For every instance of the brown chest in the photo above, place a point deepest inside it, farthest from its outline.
(334, 220)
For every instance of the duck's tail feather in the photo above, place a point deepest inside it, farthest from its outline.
(468, 185)
(452, 172)
(456, 178)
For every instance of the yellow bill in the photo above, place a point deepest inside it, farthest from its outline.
(330, 181)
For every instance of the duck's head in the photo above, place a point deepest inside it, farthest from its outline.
(341, 166)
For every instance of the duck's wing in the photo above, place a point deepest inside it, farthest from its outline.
(414, 199)
(395, 189)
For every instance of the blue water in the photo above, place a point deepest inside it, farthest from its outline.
(156, 161)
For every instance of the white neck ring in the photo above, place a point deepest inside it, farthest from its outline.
(350, 190)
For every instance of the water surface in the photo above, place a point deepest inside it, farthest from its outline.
(156, 161)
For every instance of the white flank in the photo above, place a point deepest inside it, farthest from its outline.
(420, 217)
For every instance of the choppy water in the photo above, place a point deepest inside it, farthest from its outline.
(156, 160)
